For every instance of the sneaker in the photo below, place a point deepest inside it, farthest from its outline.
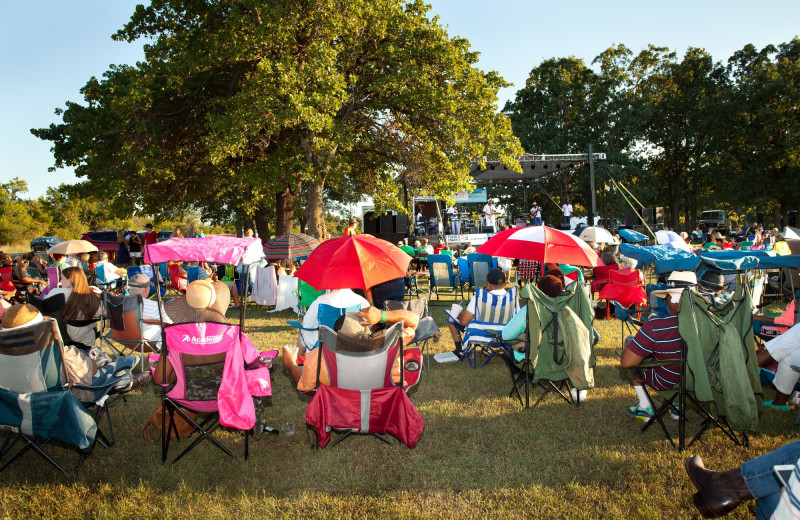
(673, 412)
(644, 414)
(459, 353)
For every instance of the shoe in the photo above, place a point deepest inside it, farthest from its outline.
(641, 413)
(781, 407)
(673, 412)
(459, 353)
(718, 492)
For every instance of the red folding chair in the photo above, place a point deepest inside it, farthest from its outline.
(624, 286)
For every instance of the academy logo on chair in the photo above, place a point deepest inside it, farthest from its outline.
(203, 340)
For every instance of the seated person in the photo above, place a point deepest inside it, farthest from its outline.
(658, 338)
(780, 246)
(469, 249)
(407, 249)
(111, 273)
(426, 248)
(391, 290)
(59, 260)
(496, 283)
(82, 304)
(139, 285)
(84, 366)
(608, 258)
(204, 301)
(306, 376)
(200, 304)
(22, 280)
(785, 349)
(339, 298)
(720, 492)
(36, 266)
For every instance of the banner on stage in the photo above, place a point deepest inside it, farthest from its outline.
(475, 239)
(476, 195)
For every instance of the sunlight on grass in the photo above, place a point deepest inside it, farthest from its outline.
(481, 456)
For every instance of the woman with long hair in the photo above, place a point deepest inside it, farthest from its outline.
(124, 254)
(83, 304)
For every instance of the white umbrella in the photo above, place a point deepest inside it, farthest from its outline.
(71, 247)
(672, 239)
(597, 235)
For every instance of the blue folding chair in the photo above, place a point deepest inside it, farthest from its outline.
(327, 316)
(492, 312)
(148, 270)
(443, 276)
(478, 266)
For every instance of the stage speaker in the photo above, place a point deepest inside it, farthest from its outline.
(400, 223)
(649, 216)
(370, 223)
(632, 217)
(385, 224)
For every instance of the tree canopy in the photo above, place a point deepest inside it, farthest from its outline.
(242, 103)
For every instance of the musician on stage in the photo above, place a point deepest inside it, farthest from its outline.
(536, 215)
(489, 213)
(452, 216)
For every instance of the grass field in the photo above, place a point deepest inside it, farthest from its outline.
(481, 456)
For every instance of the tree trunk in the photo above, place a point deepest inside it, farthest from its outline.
(284, 211)
(262, 225)
(314, 210)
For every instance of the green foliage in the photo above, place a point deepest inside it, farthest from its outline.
(236, 100)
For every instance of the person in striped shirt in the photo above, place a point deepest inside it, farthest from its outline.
(657, 340)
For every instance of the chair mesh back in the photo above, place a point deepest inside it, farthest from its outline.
(125, 316)
(202, 376)
(360, 363)
(30, 358)
(494, 308)
(441, 274)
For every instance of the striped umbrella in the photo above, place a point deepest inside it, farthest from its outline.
(541, 244)
(290, 245)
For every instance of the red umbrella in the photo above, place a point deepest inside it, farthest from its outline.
(355, 262)
(541, 244)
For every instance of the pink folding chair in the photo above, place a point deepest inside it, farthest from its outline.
(208, 360)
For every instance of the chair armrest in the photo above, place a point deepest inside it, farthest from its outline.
(296, 324)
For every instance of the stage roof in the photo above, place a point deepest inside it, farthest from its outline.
(534, 167)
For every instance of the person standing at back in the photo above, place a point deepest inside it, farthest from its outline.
(566, 213)
(350, 230)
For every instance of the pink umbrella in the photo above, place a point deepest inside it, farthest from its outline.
(541, 244)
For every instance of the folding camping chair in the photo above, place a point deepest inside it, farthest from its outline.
(175, 279)
(442, 276)
(133, 270)
(208, 362)
(362, 397)
(426, 329)
(625, 287)
(478, 266)
(492, 312)
(554, 369)
(123, 314)
(36, 401)
(714, 337)
(306, 296)
(326, 316)
(629, 324)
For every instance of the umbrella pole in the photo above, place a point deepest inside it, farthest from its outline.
(243, 297)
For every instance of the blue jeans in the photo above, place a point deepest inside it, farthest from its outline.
(762, 481)
(537, 221)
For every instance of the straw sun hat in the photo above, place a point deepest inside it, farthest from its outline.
(204, 301)
(20, 315)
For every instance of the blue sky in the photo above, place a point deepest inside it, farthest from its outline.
(49, 49)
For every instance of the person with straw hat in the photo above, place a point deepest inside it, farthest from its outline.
(658, 338)
(204, 301)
